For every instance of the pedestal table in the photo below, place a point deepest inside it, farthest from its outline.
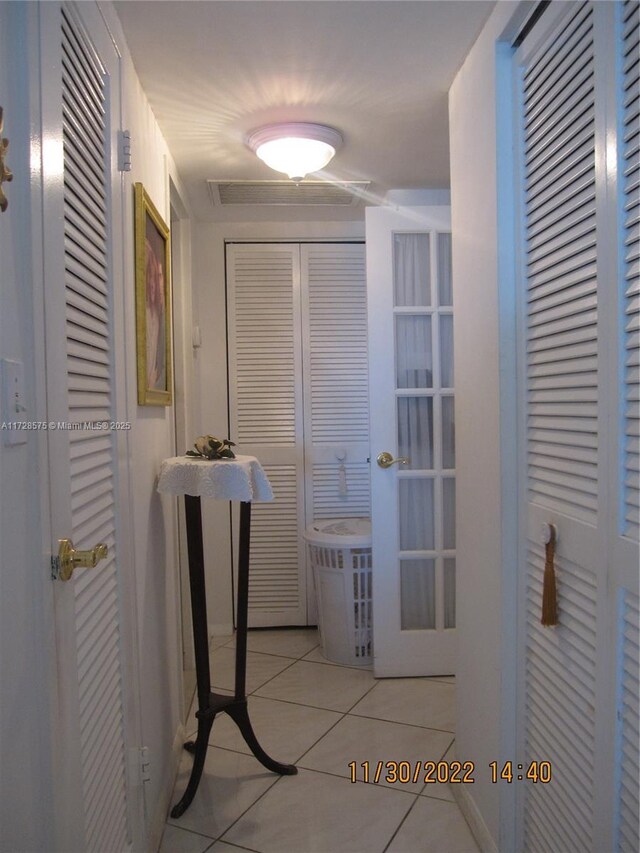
(242, 479)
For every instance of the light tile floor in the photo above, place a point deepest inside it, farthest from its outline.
(320, 716)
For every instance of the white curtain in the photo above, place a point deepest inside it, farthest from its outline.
(448, 433)
(449, 592)
(445, 293)
(414, 370)
(415, 431)
(417, 531)
(414, 361)
(446, 350)
(412, 270)
(449, 513)
(418, 594)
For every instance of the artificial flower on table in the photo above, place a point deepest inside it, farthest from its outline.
(210, 447)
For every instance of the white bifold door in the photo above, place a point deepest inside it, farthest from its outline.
(410, 315)
(576, 77)
(298, 400)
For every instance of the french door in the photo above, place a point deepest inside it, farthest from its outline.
(410, 313)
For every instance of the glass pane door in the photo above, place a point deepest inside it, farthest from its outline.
(412, 429)
(425, 429)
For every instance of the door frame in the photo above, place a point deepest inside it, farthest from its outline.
(182, 351)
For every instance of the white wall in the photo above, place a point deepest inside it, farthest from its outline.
(152, 439)
(26, 817)
(26, 589)
(485, 423)
(211, 399)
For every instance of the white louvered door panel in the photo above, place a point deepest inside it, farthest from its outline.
(630, 169)
(274, 588)
(336, 380)
(581, 223)
(299, 402)
(265, 403)
(562, 428)
(628, 740)
(95, 811)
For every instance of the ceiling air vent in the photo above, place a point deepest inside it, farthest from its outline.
(345, 193)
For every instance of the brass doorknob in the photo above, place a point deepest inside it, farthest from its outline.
(69, 558)
(386, 460)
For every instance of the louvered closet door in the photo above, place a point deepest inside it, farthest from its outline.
(94, 811)
(562, 430)
(576, 687)
(336, 380)
(265, 400)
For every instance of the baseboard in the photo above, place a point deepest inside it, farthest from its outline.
(164, 800)
(472, 815)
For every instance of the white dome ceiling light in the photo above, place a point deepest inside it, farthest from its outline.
(295, 148)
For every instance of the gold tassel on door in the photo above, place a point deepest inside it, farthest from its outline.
(549, 592)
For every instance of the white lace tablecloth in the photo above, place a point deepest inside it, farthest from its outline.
(239, 479)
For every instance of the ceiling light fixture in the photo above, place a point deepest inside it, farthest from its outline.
(295, 148)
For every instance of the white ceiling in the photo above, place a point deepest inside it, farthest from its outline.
(378, 71)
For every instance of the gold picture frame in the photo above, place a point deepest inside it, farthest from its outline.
(153, 302)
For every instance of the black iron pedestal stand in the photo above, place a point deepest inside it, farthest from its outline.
(210, 704)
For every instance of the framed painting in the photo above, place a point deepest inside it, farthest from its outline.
(153, 303)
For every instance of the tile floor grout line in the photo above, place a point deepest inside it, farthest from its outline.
(330, 729)
(367, 668)
(300, 705)
(279, 779)
(215, 687)
(389, 785)
(399, 826)
(270, 654)
(453, 740)
(358, 781)
(297, 761)
(319, 708)
(438, 799)
(235, 846)
(221, 837)
(257, 800)
(264, 684)
(211, 838)
(343, 713)
(364, 695)
(341, 716)
(401, 723)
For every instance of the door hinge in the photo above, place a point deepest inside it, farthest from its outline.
(124, 150)
(139, 765)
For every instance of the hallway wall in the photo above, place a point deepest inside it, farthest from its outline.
(26, 805)
(152, 439)
(27, 664)
(486, 497)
